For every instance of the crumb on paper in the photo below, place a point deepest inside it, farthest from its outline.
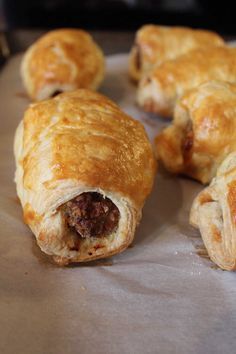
(22, 95)
(105, 263)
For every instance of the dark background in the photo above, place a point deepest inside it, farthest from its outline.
(118, 14)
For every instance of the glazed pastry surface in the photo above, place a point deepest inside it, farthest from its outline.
(214, 214)
(62, 60)
(161, 88)
(202, 133)
(72, 152)
(156, 44)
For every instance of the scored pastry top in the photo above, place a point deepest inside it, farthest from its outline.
(91, 141)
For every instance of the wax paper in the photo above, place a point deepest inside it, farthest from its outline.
(162, 295)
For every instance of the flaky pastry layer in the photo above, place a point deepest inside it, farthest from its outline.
(62, 60)
(156, 44)
(75, 143)
(214, 213)
(160, 89)
(202, 133)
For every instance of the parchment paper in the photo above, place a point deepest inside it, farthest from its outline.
(163, 295)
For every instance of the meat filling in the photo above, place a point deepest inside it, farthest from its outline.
(138, 57)
(188, 141)
(91, 215)
(55, 93)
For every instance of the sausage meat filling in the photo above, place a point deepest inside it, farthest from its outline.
(138, 62)
(188, 141)
(91, 215)
(55, 93)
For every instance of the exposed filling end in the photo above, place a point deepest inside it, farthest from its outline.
(55, 93)
(138, 62)
(91, 215)
(187, 143)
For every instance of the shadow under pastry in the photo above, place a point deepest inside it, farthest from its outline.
(161, 208)
(114, 86)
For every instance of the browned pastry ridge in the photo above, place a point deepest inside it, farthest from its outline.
(62, 60)
(202, 133)
(160, 89)
(84, 170)
(214, 213)
(156, 44)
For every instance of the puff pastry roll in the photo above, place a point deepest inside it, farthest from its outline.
(62, 60)
(159, 90)
(203, 132)
(156, 44)
(214, 213)
(84, 170)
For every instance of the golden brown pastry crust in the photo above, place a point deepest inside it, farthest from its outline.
(156, 44)
(214, 213)
(62, 60)
(159, 91)
(203, 132)
(81, 142)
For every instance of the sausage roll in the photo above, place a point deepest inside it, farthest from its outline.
(62, 60)
(214, 213)
(159, 90)
(84, 170)
(156, 44)
(202, 133)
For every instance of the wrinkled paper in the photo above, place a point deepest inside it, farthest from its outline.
(162, 295)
